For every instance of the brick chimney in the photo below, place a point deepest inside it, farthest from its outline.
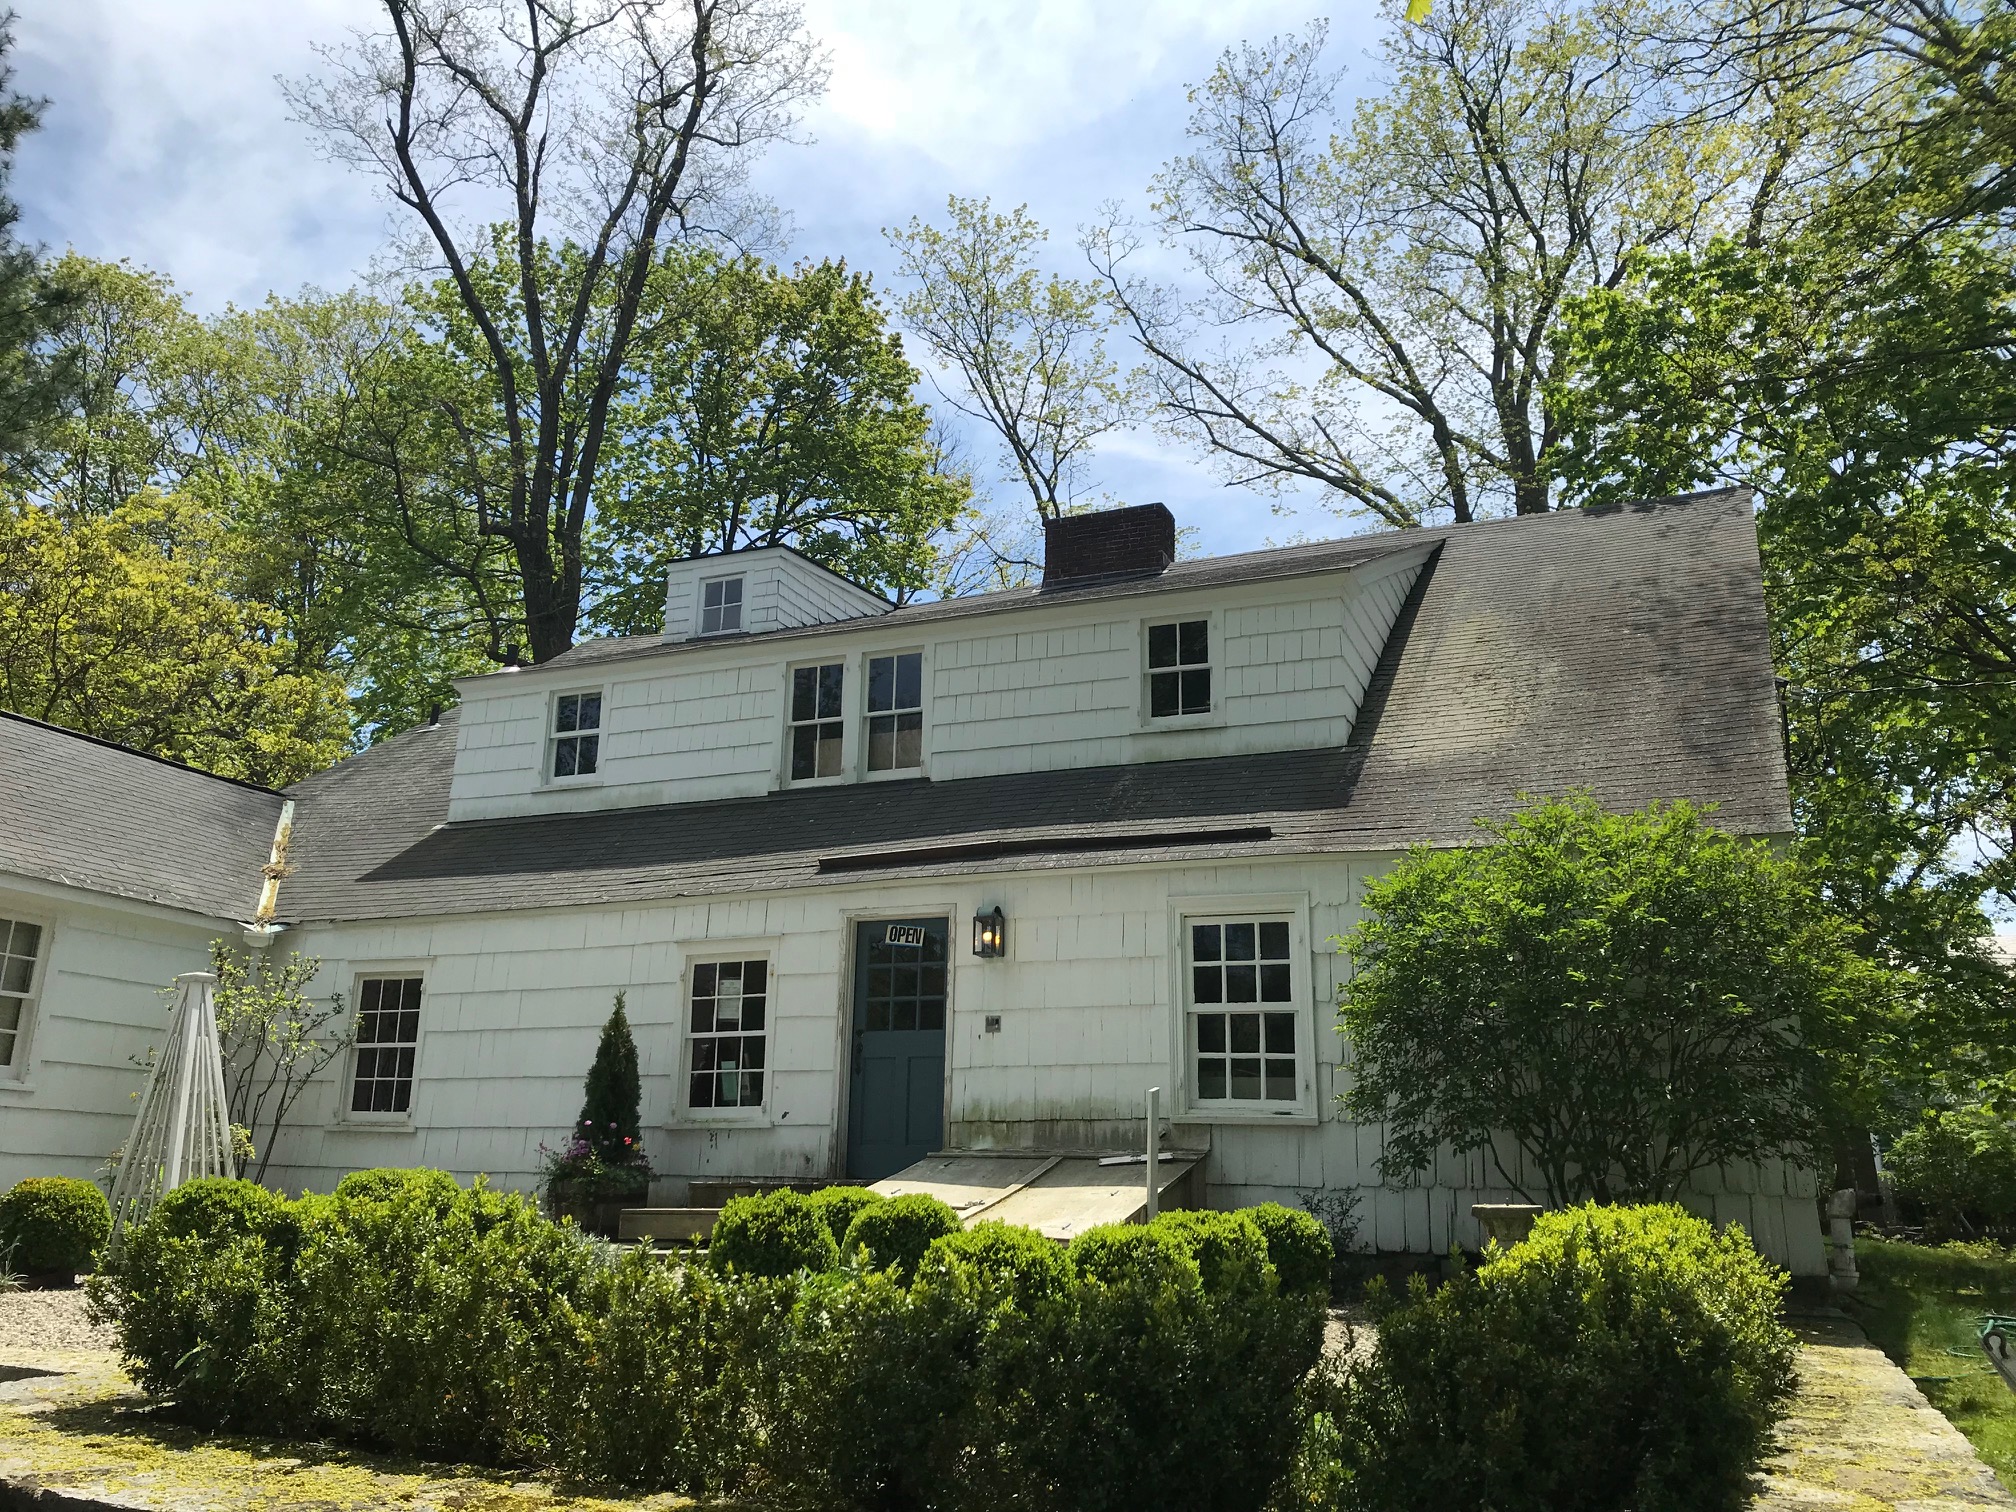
(1109, 543)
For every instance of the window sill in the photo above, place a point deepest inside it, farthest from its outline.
(1208, 1113)
(728, 1118)
(905, 774)
(368, 1125)
(23, 1086)
(792, 784)
(1171, 723)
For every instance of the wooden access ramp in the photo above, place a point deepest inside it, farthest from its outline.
(1058, 1195)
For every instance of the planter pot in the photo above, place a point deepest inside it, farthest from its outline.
(594, 1206)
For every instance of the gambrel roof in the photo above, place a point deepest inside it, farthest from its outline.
(1624, 650)
(87, 813)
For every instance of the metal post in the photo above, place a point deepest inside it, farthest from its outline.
(1151, 1206)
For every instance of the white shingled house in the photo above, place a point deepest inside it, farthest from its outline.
(880, 882)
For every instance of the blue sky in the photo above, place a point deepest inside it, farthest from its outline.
(167, 142)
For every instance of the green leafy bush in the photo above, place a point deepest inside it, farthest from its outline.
(53, 1223)
(1955, 1163)
(1124, 1254)
(771, 1235)
(656, 1373)
(1298, 1247)
(897, 1232)
(1229, 1248)
(392, 1183)
(998, 1262)
(1619, 1358)
(219, 1207)
(838, 1205)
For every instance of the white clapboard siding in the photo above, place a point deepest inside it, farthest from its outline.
(1088, 1021)
(1040, 688)
(100, 1007)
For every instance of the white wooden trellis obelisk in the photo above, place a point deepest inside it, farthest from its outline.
(182, 1129)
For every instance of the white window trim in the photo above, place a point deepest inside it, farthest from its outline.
(701, 953)
(554, 737)
(700, 588)
(1308, 1108)
(1213, 717)
(862, 716)
(17, 1076)
(346, 1089)
(848, 732)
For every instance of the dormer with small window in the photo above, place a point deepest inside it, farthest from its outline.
(763, 588)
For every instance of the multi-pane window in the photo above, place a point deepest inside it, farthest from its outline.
(388, 1032)
(896, 712)
(1242, 1011)
(721, 606)
(577, 734)
(816, 721)
(1179, 668)
(20, 950)
(729, 999)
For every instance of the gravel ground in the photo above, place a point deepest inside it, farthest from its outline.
(49, 1320)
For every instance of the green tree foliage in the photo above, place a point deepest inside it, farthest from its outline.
(1623, 999)
(1029, 348)
(105, 631)
(1958, 1162)
(766, 408)
(274, 1038)
(1857, 370)
(611, 1120)
(34, 372)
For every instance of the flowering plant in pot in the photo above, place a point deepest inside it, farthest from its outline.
(602, 1168)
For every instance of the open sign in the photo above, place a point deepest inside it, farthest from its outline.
(904, 934)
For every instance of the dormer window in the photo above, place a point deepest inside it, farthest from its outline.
(1179, 669)
(720, 606)
(816, 721)
(576, 737)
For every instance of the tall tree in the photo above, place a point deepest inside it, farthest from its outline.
(1375, 297)
(1029, 349)
(767, 408)
(607, 126)
(1860, 370)
(33, 373)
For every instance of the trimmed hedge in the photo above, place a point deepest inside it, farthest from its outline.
(771, 1235)
(1619, 1358)
(53, 1223)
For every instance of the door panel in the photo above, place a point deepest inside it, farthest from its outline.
(896, 1107)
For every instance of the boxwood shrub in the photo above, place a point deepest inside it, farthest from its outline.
(1298, 1247)
(897, 1232)
(53, 1224)
(838, 1205)
(1618, 1358)
(773, 1234)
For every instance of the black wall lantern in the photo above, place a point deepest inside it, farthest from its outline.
(990, 934)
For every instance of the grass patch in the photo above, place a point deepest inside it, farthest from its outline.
(1921, 1307)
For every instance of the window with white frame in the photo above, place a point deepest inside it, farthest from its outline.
(818, 721)
(726, 1031)
(1179, 669)
(576, 736)
(896, 712)
(720, 606)
(20, 966)
(1244, 1015)
(388, 1036)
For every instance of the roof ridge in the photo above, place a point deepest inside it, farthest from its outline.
(114, 745)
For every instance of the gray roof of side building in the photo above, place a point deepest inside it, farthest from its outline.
(1623, 650)
(90, 814)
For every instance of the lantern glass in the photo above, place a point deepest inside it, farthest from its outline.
(990, 935)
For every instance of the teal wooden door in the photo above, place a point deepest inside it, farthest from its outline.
(896, 1107)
